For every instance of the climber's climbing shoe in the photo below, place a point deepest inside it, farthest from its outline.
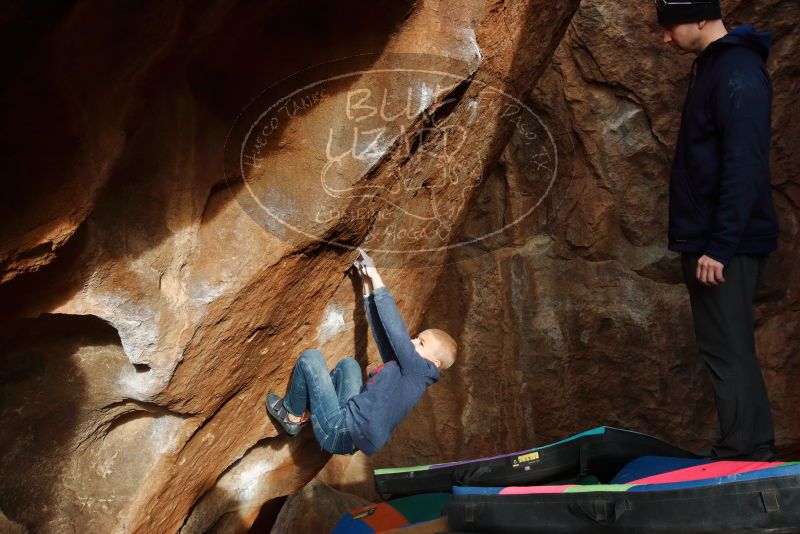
(277, 410)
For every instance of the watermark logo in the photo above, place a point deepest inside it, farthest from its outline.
(395, 154)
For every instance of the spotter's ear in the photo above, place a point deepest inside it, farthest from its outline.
(437, 363)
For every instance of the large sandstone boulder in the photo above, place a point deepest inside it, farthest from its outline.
(316, 508)
(154, 283)
(163, 261)
(580, 318)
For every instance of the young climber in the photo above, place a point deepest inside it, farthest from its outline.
(347, 415)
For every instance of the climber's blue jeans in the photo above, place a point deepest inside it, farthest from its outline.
(326, 395)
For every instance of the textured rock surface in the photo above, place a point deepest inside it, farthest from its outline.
(145, 312)
(316, 508)
(10, 527)
(584, 320)
(261, 475)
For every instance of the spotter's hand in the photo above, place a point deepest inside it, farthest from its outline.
(709, 271)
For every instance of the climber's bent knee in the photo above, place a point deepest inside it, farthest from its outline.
(312, 358)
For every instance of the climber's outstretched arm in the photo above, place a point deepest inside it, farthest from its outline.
(382, 310)
(375, 324)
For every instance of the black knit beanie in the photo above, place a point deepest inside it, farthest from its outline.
(682, 11)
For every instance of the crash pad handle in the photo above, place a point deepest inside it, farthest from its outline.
(603, 511)
(769, 498)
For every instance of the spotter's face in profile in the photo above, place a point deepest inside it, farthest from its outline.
(686, 37)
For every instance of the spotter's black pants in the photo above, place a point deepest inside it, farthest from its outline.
(723, 325)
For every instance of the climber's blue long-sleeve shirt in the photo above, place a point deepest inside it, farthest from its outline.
(393, 388)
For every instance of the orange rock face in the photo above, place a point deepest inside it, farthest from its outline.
(581, 318)
(183, 235)
(167, 249)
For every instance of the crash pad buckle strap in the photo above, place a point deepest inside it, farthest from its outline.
(769, 498)
(469, 513)
(622, 506)
(583, 460)
(603, 511)
(607, 512)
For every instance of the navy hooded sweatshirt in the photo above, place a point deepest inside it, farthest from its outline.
(720, 201)
(393, 388)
